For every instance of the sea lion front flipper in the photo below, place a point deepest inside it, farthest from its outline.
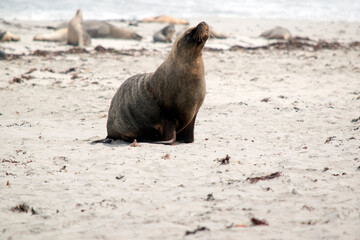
(167, 133)
(187, 134)
(81, 39)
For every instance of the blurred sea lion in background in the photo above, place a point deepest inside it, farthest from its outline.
(165, 34)
(2, 54)
(217, 35)
(60, 35)
(101, 29)
(77, 35)
(165, 19)
(96, 29)
(277, 33)
(6, 36)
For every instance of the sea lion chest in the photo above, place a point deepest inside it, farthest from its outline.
(179, 89)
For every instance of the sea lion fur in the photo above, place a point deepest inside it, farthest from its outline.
(165, 19)
(96, 29)
(165, 34)
(277, 33)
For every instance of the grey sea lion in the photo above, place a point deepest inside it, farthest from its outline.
(165, 19)
(76, 33)
(60, 35)
(96, 29)
(165, 34)
(6, 36)
(217, 35)
(162, 106)
(101, 29)
(277, 33)
(2, 54)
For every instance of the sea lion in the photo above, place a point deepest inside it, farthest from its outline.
(162, 106)
(100, 29)
(277, 33)
(7, 36)
(217, 35)
(60, 35)
(165, 34)
(2, 54)
(76, 34)
(165, 19)
(96, 29)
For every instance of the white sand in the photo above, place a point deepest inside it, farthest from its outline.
(47, 123)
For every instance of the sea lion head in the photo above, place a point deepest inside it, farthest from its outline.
(79, 14)
(169, 30)
(192, 41)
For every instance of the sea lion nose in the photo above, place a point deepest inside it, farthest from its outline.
(203, 25)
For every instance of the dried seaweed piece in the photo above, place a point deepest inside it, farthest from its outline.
(21, 208)
(267, 177)
(224, 161)
(198, 229)
(26, 77)
(129, 52)
(119, 177)
(301, 43)
(257, 222)
(355, 120)
(72, 69)
(31, 71)
(329, 139)
(211, 49)
(210, 197)
(42, 53)
(16, 80)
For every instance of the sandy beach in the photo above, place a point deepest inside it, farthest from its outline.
(276, 152)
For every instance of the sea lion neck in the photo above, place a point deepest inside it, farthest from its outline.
(189, 44)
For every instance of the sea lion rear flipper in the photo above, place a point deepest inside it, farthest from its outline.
(106, 141)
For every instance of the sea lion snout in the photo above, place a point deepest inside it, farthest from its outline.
(203, 25)
(202, 32)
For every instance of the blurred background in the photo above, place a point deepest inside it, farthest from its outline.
(318, 10)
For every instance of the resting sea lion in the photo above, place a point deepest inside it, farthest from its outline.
(165, 34)
(100, 29)
(165, 19)
(76, 34)
(277, 33)
(96, 29)
(161, 106)
(2, 55)
(60, 35)
(217, 35)
(7, 36)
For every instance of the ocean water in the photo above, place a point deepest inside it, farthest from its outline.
(319, 10)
